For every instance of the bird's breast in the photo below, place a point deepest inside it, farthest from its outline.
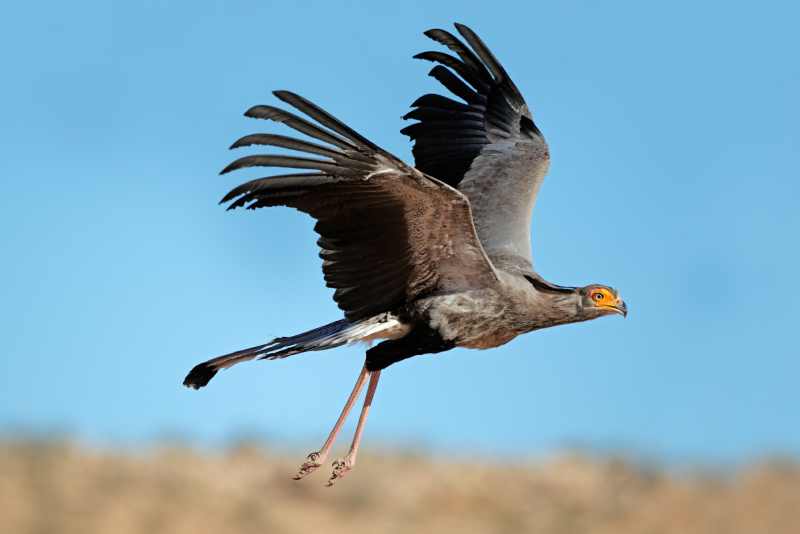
(479, 319)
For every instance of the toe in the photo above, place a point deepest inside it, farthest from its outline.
(313, 461)
(340, 468)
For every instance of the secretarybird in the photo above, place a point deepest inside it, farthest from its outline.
(424, 258)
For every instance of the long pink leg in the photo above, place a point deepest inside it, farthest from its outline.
(341, 467)
(316, 459)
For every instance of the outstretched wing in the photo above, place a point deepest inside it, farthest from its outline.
(388, 233)
(486, 145)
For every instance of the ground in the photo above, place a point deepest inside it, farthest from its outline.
(59, 487)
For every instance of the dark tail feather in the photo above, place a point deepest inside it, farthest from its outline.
(325, 337)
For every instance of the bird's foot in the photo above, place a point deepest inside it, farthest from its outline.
(340, 469)
(313, 461)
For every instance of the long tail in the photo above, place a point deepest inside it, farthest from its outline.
(331, 335)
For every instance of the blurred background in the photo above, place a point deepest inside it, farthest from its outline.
(674, 142)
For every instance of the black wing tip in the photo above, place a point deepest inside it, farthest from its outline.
(459, 26)
(465, 31)
(247, 140)
(429, 55)
(227, 198)
(199, 376)
(431, 33)
(284, 95)
(291, 98)
(264, 111)
(251, 111)
(243, 162)
(438, 69)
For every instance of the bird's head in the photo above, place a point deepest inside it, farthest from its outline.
(596, 300)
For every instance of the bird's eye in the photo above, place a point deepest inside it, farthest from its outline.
(598, 296)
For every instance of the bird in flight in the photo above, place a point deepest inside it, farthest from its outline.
(425, 258)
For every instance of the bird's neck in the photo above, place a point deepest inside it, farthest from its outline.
(565, 307)
(553, 309)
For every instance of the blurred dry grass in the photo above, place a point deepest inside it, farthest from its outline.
(48, 487)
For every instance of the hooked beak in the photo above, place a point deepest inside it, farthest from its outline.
(620, 307)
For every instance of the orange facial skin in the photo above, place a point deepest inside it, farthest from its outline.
(607, 299)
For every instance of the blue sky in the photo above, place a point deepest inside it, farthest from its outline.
(674, 141)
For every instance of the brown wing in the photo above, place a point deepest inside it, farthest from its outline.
(388, 233)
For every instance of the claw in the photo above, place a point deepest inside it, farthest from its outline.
(313, 461)
(340, 469)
